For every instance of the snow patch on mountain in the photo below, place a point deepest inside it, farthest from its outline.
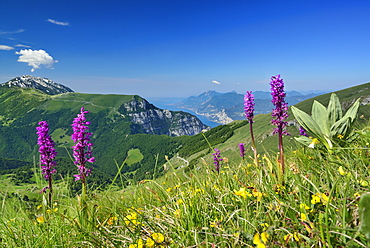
(44, 84)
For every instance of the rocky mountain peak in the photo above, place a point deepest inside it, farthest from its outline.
(43, 84)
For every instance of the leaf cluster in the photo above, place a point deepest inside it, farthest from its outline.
(329, 125)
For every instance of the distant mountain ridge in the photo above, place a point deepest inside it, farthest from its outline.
(224, 108)
(43, 84)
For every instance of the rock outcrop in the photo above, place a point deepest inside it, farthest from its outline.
(149, 119)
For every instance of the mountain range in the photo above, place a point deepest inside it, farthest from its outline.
(224, 108)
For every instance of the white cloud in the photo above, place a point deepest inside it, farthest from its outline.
(58, 22)
(36, 58)
(21, 45)
(216, 82)
(13, 32)
(6, 48)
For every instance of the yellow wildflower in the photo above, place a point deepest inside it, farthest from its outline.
(314, 141)
(324, 199)
(274, 206)
(264, 237)
(315, 199)
(320, 197)
(256, 239)
(242, 192)
(264, 225)
(309, 226)
(11, 220)
(199, 190)
(340, 136)
(303, 216)
(341, 171)
(40, 219)
(139, 244)
(149, 242)
(131, 219)
(111, 220)
(257, 194)
(216, 224)
(158, 237)
(260, 240)
(290, 236)
(177, 213)
(279, 188)
(295, 236)
(180, 201)
(304, 206)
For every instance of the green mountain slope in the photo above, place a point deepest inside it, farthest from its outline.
(115, 135)
(346, 96)
(267, 142)
(117, 121)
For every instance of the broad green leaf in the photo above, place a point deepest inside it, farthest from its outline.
(353, 110)
(328, 124)
(320, 116)
(344, 125)
(303, 140)
(334, 110)
(310, 125)
(364, 214)
(341, 127)
(306, 121)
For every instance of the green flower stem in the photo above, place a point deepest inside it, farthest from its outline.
(253, 143)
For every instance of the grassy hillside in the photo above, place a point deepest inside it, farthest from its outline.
(322, 200)
(113, 138)
(262, 128)
(346, 96)
(114, 133)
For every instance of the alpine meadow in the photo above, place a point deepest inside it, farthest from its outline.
(91, 170)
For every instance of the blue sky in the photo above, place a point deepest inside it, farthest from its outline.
(160, 48)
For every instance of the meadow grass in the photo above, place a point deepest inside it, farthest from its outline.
(241, 206)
